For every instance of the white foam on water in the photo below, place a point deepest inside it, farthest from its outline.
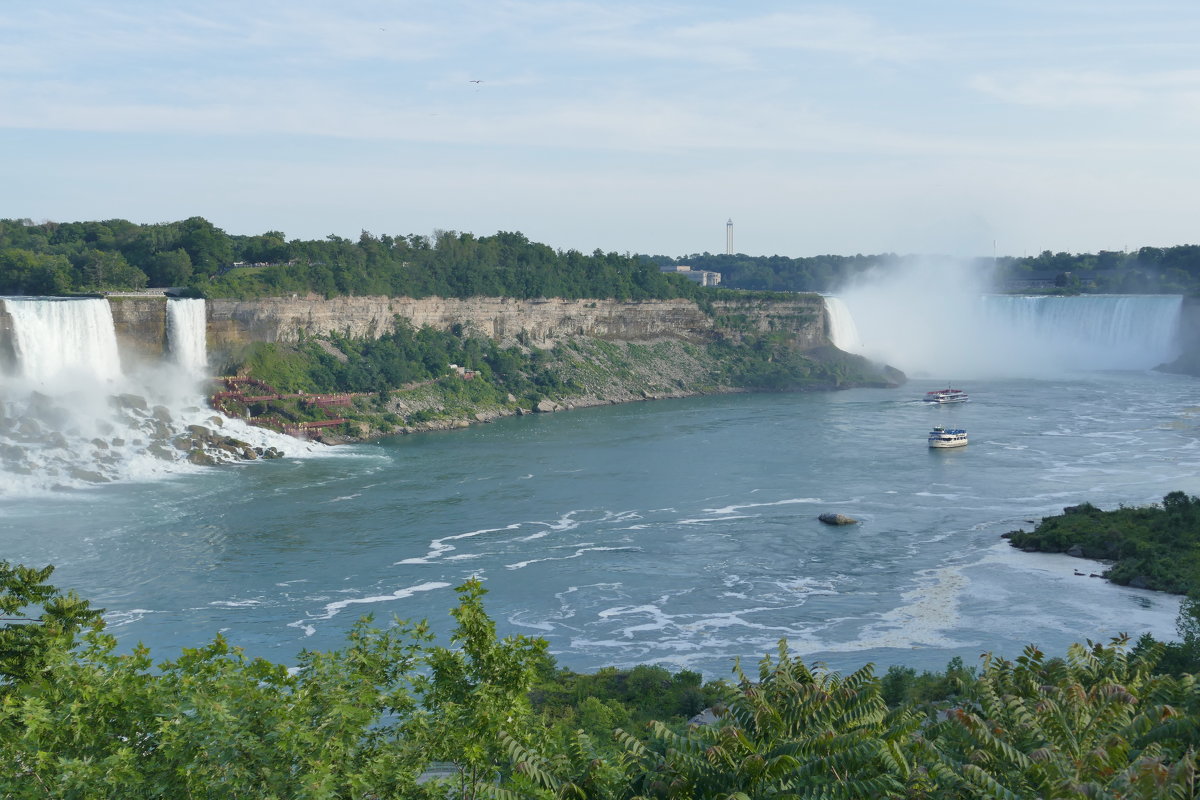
(929, 611)
(736, 508)
(333, 609)
(578, 553)
(438, 547)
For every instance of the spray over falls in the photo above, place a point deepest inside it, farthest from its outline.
(72, 415)
(940, 322)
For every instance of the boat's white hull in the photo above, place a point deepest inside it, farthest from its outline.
(944, 443)
(941, 401)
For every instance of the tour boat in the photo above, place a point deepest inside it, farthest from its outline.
(947, 437)
(946, 396)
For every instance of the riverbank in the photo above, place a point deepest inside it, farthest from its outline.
(583, 372)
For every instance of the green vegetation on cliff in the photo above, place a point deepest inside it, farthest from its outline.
(395, 715)
(403, 380)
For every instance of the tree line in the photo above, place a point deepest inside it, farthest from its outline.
(55, 258)
(1148, 270)
(60, 258)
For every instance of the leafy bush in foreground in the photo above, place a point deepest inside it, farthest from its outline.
(77, 719)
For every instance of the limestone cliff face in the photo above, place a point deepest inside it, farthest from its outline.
(141, 326)
(8, 354)
(141, 322)
(540, 322)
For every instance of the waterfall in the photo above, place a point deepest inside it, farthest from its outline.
(61, 338)
(956, 335)
(71, 418)
(842, 330)
(186, 335)
(1092, 331)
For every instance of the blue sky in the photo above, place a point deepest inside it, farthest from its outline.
(957, 128)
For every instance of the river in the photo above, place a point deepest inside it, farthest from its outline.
(678, 532)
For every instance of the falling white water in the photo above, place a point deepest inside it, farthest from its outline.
(70, 418)
(57, 339)
(842, 330)
(934, 320)
(186, 335)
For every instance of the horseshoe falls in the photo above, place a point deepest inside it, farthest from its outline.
(842, 330)
(956, 336)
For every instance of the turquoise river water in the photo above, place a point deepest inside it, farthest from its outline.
(676, 532)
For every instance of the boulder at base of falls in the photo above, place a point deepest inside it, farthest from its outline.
(837, 519)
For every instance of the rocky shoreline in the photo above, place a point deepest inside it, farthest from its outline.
(605, 372)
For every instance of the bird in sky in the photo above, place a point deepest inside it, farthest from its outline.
(475, 82)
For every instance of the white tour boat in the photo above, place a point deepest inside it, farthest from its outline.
(947, 437)
(946, 396)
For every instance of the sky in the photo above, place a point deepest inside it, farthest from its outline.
(958, 128)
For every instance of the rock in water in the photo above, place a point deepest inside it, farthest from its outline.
(837, 519)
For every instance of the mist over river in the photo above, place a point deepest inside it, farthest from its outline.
(677, 532)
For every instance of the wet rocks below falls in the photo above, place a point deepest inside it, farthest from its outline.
(60, 442)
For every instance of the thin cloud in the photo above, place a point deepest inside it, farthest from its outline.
(1090, 88)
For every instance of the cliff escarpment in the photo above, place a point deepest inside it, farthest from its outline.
(538, 323)
(521, 356)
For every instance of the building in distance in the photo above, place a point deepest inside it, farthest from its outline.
(703, 277)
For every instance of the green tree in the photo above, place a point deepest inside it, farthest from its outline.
(473, 691)
(170, 268)
(36, 620)
(105, 269)
(28, 272)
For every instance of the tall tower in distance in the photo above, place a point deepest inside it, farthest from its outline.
(729, 237)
